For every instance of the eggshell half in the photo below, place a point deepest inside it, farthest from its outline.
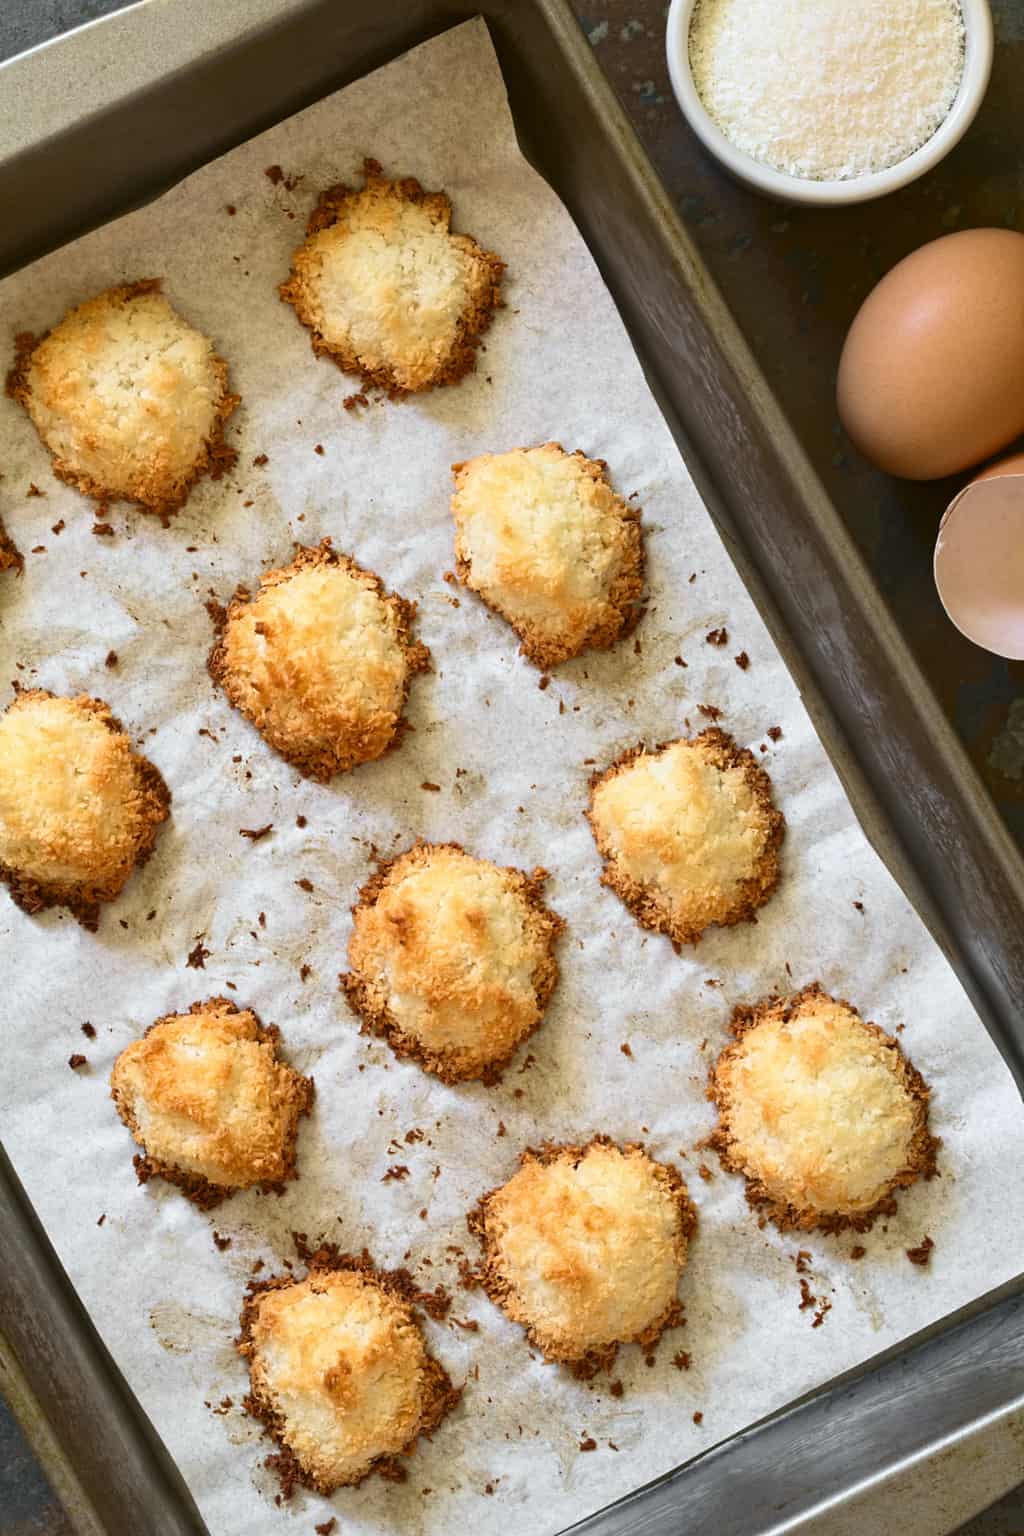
(931, 379)
(979, 559)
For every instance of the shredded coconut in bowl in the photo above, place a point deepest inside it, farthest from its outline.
(827, 89)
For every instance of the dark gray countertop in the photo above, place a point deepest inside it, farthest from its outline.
(794, 278)
(27, 1503)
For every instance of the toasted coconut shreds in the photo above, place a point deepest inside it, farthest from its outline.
(376, 939)
(11, 558)
(158, 488)
(296, 1090)
(438, 1395)
(435, 348)
(921, 1149)
(83, 899)
(323, 737)
(585, 1360)
(685, 920)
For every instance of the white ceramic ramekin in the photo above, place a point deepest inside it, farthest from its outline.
(857, 189)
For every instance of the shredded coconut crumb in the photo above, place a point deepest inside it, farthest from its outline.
(827, 89)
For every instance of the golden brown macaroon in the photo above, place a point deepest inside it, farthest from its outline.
(546, 542)
(339, 1371)
(387, 290)
(130, 400)
(452, 959)
(584, 1246)
(319, 659)
(688, 833)
(11, 558)
(79, 809)
(820, 1111)
(209, 1100)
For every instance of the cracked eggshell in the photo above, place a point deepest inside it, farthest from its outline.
(979, 559)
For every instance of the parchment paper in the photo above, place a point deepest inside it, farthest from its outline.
(558, 365)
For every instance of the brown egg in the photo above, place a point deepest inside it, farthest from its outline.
(931, 379)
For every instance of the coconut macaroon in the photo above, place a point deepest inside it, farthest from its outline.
(340, 1373)
(209, 1100)
(584, 1246)
(319, 659)
(688, 833)
(548, 545)
(130, 400)
(820, 1111)
(452, 959)
(79, 809)
(387, 290)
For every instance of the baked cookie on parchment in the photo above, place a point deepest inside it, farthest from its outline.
(320, 659)
(452, 959)
(689, 834)
(130, 399)
(820, 1112)
(79, 807)
(543, 538)
(584, 1247)
(211, 1103)
(387, 290)
(340, 1373)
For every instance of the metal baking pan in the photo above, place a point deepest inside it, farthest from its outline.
(179, 97)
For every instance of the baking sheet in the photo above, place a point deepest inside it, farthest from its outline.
(557, 364)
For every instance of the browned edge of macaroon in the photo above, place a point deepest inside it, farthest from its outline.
(84, 902)
(647, 905)
(472, 324)
(625, 595)
(592, 1361)
(923, 1150)
(440, 1396)
(377, 1018)
(317, 765)
(11, 557)
(195, 1186)
(214, 459)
